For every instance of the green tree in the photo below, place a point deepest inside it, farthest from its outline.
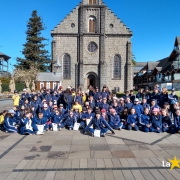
(34, 51)
(133, 60)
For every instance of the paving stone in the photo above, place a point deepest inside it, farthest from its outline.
(58, 155)
(60, 175)
(63, 142)
(21, 176)
(99, 147)
(79, 175)
(138, 147)
(128, 175)
(140, 162)
(70, 175)
(67, 163)
(161, 153)
(75, 163)
(99, 175)
(91, 163)
(174, 173)
(79, 154)
(98, 141)
(22, 164)
(148, 162)
(60, 148)
(118, 147)
(12, 176)
(50, 175)
(40, 175)
(82, 141)
(80, 147)
(35, 164)
(132, 162)
(40, 149)
(42, 164)
(124, 162)
(30, 175)
(123, 154)
(108, 163)
(109, 175)
(83, 163)
(100, 163)
(157, 174)
(4, 175)
(143, 153)
(166, 174)
(137, 174)
(89, 175)
(50, 164)
(63, 138)
(59, 163)
(101, 154)
(116, 163)
(118, 175)
(147, 175)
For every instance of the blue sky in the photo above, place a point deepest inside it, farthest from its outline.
(155, 24)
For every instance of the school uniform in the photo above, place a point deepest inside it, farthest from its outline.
(37, 121)
(156, 123)
(48, 98)
(104, 106)
(9, 125)
(166, 121)
(1, 122)
(145, 105)
(57, 119)
(156, 97)
(69, 122)
(120, 109)
(129, 105)
(162, 99)
(98, 124)
(144, 120)
(97, 95)
(132, 119)
(138, 108)
(105, 95)
(114, 121)
(177, 123)
(82, 120)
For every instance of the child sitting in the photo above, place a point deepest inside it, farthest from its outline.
(132, 120)
(2, 115)
(156, 121)
(167, 125)
(177, 121)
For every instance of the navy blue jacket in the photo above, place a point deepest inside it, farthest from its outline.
(114, 119)
(162, 99)
(104, 95)
(145, 119)
(98, 124)
(132, 118)
(156, 97)
(48, 98)
(39, 121)
(156, 121)
(88, 116)
(97, 95)
(138, 108)
(166, 120)
(104, 106)
(146, 105)
(57, 118)
(129, 105)
(177, 121)
(70, 121)
(10, 122)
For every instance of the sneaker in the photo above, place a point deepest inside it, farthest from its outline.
(47, 129)
(92, 135)
(51, 129)
(59, 129)
(103, 134)
(39, 133)
(70, 129)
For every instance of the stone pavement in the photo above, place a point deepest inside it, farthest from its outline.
(70, 155)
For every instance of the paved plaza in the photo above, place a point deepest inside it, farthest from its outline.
(70, 155)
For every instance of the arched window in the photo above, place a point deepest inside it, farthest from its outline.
(92, 1)
(117, 67)
(66, 66)
(92, 22)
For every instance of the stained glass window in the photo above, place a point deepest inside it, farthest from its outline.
(66, 66)
(117, 67)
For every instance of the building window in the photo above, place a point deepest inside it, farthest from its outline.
(41, 85)
(117, 67)
(66, 66)
(92, 1)
(92, 22)
(72, 25)
(54, 85)
(92, 47)
(47, 85)
(111, 25)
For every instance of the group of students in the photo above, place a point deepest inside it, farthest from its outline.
(92, 110)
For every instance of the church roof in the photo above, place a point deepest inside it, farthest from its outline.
(177, 41)
(45, 76)
(4, 56)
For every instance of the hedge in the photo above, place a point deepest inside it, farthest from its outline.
(19, 87)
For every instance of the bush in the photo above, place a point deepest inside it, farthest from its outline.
(5, 80)
(5, 87)
(20, 87)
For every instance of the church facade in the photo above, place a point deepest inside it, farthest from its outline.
(92, 46)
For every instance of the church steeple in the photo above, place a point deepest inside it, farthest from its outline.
(91, 2)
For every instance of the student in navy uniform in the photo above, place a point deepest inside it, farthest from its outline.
(58, 119)
(24, 95)
(92, 102)
(104, 115)
(126, 94)
(98, 123)
(68, 99)
(104, 104)
(132, 96)
(121, 105)
(166, 106)
(115, 106)
(48, 96)
(82, 119)
(97, 94)
(104, 92)
(140, 94)
(155, 95)
(145, 104)
(132, 120)
(173, 98)
(70, 120)
(40, 120)
(138, 107)
(177, 121)
(163, 97)
(123, 118)
(153, 105)
(156, 119)
(147, 95)
(145, 121)
(167, 125)
(26, 103)
(114, 120)
(128, 103)
(10, 123)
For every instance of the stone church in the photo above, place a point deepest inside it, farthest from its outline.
(92, 46)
